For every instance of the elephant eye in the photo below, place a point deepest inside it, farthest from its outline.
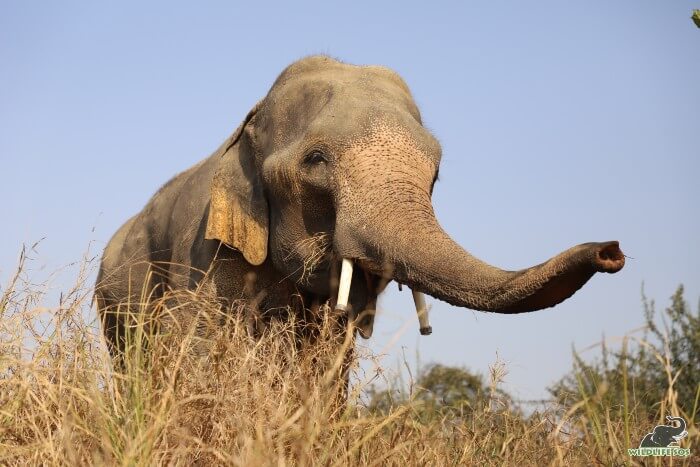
(315, 157)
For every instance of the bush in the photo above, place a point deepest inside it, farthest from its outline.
(636, 386)
(443, 391)
(663, 364)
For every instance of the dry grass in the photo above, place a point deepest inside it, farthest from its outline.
(314, 250)
(245, 401)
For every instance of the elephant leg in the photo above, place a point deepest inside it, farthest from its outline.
(126, 304)
(326, 343)
(345, 371)
(112, 323)
(343, 349)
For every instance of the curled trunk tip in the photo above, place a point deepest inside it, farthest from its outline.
(609, 257)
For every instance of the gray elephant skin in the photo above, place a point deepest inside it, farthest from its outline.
(334, 162)
(664, 435)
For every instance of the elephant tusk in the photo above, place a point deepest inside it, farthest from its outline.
(344, 286)
(422, 310)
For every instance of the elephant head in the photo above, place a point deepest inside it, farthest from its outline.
(334, 166)
(664, 435)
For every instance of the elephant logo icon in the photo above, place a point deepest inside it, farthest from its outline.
(663, 436)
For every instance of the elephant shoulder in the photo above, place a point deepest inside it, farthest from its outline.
(172, 190)
(179, 198)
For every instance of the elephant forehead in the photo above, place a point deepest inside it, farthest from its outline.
(391, 154)
(337, 106)
(391, 138)
(289, 114)
(326, 74)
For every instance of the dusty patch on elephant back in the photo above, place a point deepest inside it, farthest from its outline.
(313, 250)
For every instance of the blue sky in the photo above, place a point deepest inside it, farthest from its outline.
(561, 122)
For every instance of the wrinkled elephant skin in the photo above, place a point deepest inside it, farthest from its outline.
(333, 163)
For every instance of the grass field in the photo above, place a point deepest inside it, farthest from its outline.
(264, 402)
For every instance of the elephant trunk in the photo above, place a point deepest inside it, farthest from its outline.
(409, 245)
(682, 426)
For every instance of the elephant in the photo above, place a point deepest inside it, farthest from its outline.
(323, 196)
(664, 435)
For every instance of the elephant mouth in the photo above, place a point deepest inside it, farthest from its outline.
(360, 283)
(361, 286)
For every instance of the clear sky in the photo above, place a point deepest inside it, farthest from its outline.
(561, 123)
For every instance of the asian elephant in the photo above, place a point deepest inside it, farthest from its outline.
(332, 167)
(664, 435)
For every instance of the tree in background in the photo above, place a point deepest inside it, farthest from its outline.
(444, 391)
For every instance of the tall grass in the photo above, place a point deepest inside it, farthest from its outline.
(230, 399)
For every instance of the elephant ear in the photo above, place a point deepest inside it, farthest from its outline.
(238, 210)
